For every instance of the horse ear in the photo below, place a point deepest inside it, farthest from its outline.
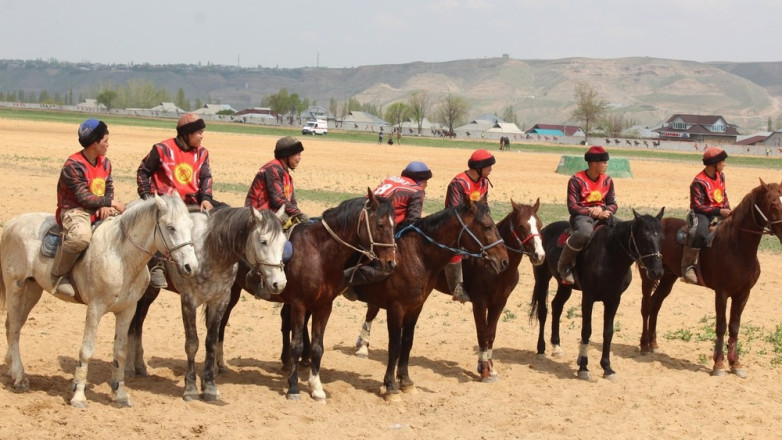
(762, 183)
(635, 214)
(371, 197)
(161, 204)
(484, 199)
(536, 206)
(660, 214)
(280, 214)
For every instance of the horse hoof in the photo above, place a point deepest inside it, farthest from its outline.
(392, 396)
(541, 355)
(740, 372)
(81, 404)
(124, 403)
(490, 379)
(22, 386)
(319, 395)
(718, 372)
(363, 352)
(584, 375)
(222, 369)
(210, 397)
(612, 377)
(557, 351)
(296, 396)
(409, 389)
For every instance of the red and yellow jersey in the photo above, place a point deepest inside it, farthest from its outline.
(272, 188)
(169, 169)
(463, 187)
(84, 185)
(584, 193)
(707, 195)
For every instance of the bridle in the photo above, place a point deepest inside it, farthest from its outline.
(521, 242)
(481, 252)
(764, 229)
(169, 249)
(363, 219)
(632, 245)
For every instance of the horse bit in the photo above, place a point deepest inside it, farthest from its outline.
(640, 258)
(372, 244)
(521, 242)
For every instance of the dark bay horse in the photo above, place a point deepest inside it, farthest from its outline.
(729, 266)
(603, 272)
(424, 249)
(489, 291)
(223, 237)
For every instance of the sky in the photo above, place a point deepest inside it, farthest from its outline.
(351, 33)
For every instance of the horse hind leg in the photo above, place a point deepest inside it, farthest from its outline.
(362, 343)
(123, 319)
(20, 299)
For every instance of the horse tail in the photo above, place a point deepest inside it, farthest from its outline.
(2, 286)
(537, 304)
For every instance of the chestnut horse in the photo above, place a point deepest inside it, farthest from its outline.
(425, 247)
(729, 266)
(603, 273)
(489, 291)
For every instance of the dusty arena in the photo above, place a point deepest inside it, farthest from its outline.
(665, 395)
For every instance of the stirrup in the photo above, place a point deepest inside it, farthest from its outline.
(459, 294)
(566, 276)
(693, 278)
(350, 293)
(157, 276)
(63, 286)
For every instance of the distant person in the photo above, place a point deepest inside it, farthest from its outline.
(399, 136)
(471, 184)
(708, 201)
(85, 194)
(590, 199)
(406, 193)
(380, 136)
(178, 166)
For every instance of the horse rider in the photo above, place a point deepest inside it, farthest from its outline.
(406, 193)
(85, 194)
(180, 166)
(472, 184)
(590, 199)
(708, 200)
(272, 188)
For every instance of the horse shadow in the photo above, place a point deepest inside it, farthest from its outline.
(554, 366)
(633, 352)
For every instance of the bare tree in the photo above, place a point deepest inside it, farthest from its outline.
(418, 107)
(451, 110)
(509, 115)
(589, 106)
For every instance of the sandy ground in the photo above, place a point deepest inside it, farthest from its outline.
(666, 395)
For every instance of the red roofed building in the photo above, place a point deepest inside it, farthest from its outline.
(698, 128)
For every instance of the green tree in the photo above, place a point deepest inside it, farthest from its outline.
(769, 125)
(181, 101)
(418, 103)
(589, 106)
(509, 115)
(333, 106)
(396, 113)
(452, 110)
(107, 98)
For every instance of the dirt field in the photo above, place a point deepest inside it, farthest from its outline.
(667, 395)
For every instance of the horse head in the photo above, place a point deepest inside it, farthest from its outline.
(525, 227)
(768, 207)
(479, 234)
(646, 236)
(264, 248)
(174, 237)
(378, 235)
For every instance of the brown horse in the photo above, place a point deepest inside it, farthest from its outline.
(729, 266)
(425, 248)
(489, 291)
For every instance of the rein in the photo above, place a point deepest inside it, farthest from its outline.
(483, 254)
(764, 229)
(169, 249)
(521, 242)
(633, 245)
(372, 244)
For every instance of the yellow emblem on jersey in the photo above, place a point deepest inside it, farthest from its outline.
(98, 186)
(475, 196)
(594, 196)
(718, 195)
(183, 173)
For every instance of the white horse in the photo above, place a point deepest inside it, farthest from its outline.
(221, 239)
(110, 277)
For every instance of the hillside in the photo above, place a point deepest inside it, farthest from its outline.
(646, 90)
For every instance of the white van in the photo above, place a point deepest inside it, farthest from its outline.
(318, 126)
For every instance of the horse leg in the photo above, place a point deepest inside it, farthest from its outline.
(394, 324)
(737, 304)
(720, 306)
(408, 335)
(479, 316)
(135, 364)
(236, 293)
(122, 323)
(79, 400)
(609, 312)
(191, 346)
(362, 343)
(319, 320)
(586, 333)
(651, 304)
(557, 306)
(297, 326)
(19, 302)
(306, 348)
(214, 318)
(285, 328)
(539, 306)
(491, 332)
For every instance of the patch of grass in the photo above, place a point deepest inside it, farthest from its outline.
(573, 312)
(681, 334)
(507, 315)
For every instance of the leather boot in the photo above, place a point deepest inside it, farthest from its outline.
(565, 263)
(356, 276)
(63, 263)
(157, 276)
(455, 281)
(689, 260)
(253, 282)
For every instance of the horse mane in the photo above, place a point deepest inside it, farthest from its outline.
(435, 221)
(732, 225)
(230, 228)
(135, 209)
(345, 215)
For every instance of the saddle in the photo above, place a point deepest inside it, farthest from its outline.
(682, 234)
(52, 236)
(568, 232)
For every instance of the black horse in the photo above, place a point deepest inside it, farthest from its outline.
(602, 273)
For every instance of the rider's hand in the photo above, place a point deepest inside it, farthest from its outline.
(104, 212)
(206, 205)
(725, 212)
(302, 217)
(118, 206)
(605, 215)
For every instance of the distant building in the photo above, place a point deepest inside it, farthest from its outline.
(91, 105)
(167, 107)
(556, 130)
(213, 109)
(698, 128)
